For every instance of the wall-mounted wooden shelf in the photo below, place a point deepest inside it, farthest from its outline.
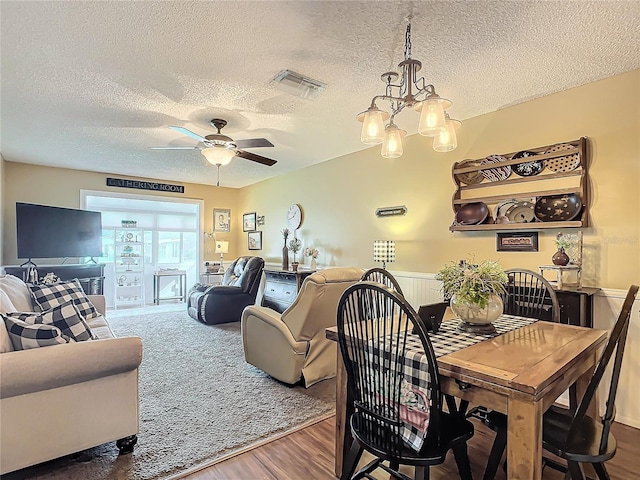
(546, 183)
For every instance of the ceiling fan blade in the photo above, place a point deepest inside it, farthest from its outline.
(253, 142)
(174, 148)
(187, 132)
(255, 158)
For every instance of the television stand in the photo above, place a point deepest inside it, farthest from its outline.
(90, 276)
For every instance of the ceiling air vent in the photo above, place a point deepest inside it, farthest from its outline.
(296, 84)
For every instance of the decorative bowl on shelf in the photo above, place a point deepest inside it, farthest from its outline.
(472, 214)
(558, 208)
(499, 172)
(527, 169)
(469, 178)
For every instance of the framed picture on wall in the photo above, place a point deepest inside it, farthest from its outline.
(249, 222)
(221, 220)
(255, 240)
(517, 242)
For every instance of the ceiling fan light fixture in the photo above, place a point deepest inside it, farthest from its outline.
(218, 155)
(298, 85)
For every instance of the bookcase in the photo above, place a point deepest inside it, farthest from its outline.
(129, 267)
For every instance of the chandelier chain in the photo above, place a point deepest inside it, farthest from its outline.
(407, 43)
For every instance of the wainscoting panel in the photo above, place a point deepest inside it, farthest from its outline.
(419, 288)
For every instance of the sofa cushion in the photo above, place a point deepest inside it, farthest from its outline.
(49, 296)
(5, 306)
(17, 292)
(5, 340)
(25, 336)
(100, 329)
(65, 316)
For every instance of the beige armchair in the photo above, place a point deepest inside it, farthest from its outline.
(292, 345)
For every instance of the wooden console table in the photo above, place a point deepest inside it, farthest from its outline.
(576, 305)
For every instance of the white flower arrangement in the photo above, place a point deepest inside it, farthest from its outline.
(49, 279)
(311, 252)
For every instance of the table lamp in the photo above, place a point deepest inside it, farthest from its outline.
(384, 251)
(222, 247)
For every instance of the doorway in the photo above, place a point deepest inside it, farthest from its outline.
(142, 235)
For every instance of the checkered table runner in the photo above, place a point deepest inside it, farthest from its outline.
(448, 340)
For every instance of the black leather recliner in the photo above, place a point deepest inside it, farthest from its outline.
(212, 304)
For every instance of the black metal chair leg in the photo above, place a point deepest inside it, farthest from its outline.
(575, 471)
(422, 473)
(350, 463)
(462, 408)
(461, 455)
(601, 471)
(499, 445)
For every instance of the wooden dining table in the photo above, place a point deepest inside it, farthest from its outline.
(520, 373)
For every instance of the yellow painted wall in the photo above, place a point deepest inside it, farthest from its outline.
(61, 187)
(339, 197)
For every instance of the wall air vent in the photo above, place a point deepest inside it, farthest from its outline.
(296, 84)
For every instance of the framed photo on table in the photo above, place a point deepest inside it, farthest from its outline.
(254, 240)
(221, 220)
(249, 222)
(517, 242)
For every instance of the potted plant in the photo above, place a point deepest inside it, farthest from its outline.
(561, 257)
(474, 290)
(295, 244)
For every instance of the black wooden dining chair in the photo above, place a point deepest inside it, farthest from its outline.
(380, 275)
(530, 295)
(374, 325)
(571, 434)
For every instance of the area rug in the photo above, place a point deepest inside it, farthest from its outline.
(199, 401)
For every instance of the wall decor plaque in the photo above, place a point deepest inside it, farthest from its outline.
(517, 241)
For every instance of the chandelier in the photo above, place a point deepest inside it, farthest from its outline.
(434, 120)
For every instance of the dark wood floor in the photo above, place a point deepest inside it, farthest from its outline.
(308, 455)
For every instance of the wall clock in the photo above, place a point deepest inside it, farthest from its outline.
(294, 216)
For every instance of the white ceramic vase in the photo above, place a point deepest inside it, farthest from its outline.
(471, 313)
(313, 265)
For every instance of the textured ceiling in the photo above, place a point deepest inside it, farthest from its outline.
(93, 85)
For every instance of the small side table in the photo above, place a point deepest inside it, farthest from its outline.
(182, 280)
(560, 270)
(211, 278)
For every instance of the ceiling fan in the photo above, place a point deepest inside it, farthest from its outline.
(219, 149)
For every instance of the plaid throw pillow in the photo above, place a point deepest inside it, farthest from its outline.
(48, 296)
(66, 317)
(25, 336)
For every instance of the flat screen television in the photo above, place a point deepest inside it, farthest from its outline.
(55, 232)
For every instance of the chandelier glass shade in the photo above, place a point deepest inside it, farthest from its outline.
(392, 144)
(446, 139)
(218, 155)
(407, 90)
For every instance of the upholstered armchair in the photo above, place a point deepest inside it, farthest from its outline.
(292, 345)
(224, 303)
